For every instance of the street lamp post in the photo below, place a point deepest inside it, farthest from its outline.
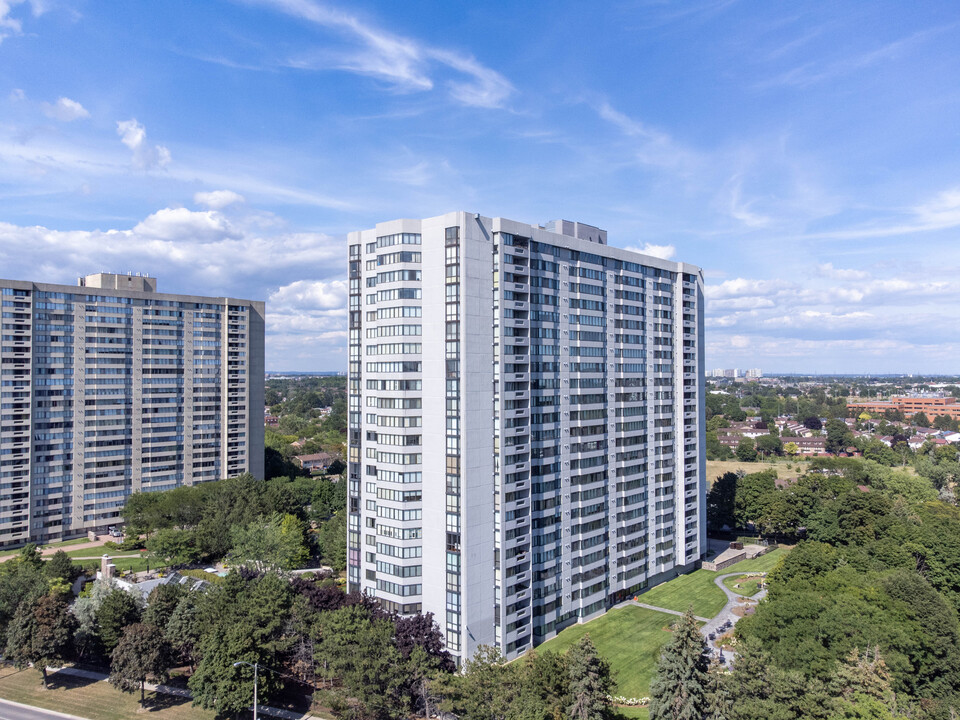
(255, 667)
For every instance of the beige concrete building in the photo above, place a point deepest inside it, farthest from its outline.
(110, 388)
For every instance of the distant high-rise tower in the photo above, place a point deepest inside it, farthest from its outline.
(110, 388)
(526, 413)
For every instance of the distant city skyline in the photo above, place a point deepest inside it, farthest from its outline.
(805, 157)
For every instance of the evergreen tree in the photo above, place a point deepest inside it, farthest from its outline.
(360, 651)
(590, 681)
(42, 634)
(141, 653)
(183, 630)
(61, 567)
(862, 686)
(719, 701)
(544, 687)
(680, 688)
(485, 689)
(118, 610)
(162, 603)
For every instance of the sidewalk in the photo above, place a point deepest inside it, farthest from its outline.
(713, 625)
(180, 692)
(47, 552)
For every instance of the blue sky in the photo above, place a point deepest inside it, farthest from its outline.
(806, 155)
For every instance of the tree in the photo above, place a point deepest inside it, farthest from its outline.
(715, 449)
(61, 567)
(754, 492)
(769, 445)
(239, 620)
(862, 682)
(118, 610)
(945, 422)
(141, 653)
(162, 603)
(839, 436)
(359, 650)
(920, 419)
(177, 547)
(183, 629)
(543, 687)
(590, 681)
(812, 422)
(41, 634)
(680, 688)
(486, 688)
(267, 545)
(791, 449)
(20, 582)
(720, 501)
(331, 539)
(746, 450)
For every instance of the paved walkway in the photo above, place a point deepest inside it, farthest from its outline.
(665, 610)
(179, 692)
(726, 614)
(46, 552)
(711, 625)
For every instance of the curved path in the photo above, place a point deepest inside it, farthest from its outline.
(713, 625)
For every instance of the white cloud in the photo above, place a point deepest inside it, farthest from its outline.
(828, 270)
(300, 275)
(134, 136)
(181, 224)
(64, 110)
(312, 295)
(739, 287)
(402, 62)
(941, 211)
(653, 147)
(740, 209)
(218, 199)
(664, 252)
(17, 95)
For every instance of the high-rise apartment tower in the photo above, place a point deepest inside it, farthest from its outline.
(526, 414)
(110, 388)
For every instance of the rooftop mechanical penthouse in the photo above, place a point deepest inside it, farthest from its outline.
(526, 415)
(109, 388)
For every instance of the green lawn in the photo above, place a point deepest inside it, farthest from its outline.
(50, 546)
(764, 563)
(631, 713)
(698, 590)
(99, 552)
(629, 638)
(748, 586)
(96, 700)
(135, 564)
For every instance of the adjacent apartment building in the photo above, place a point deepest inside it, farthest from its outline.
(910, 405)
(109, 388)
(526, 414)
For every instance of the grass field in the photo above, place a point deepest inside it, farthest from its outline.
(748, 586)
(697, 589)
(51, 546)
(134, 564)
(716, 468)
(629, 638)
(630, 713)
(92, 699)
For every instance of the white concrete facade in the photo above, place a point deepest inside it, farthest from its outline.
(526, 417)
(109, 388)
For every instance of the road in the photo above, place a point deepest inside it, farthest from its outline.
(16, 711)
